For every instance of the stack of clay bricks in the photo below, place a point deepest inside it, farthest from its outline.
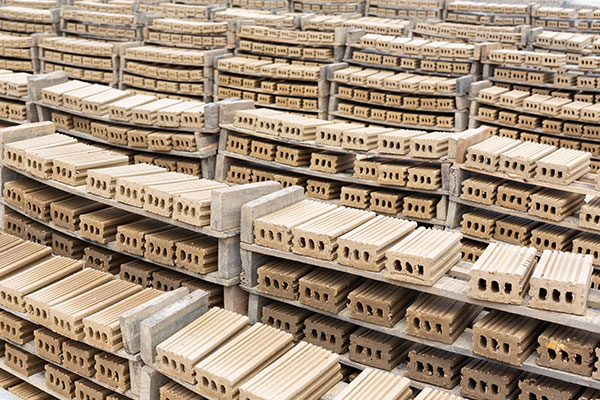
(68, 331)
(25, 21)
(198, 11)
(281, 84)
(575, 45)
(566, 19)
(186, 33)
(108, 108)
(381, 182)
(417, 83)
(261, 4)
(90, 60)
(516, 36)
(103, 23)
(169, 71)
(487, 13)
(17, 53)
(260, 17)
(404, 9)
(13, 93)
(352, 7)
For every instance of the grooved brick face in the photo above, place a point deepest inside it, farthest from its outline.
(49, 344)
(280, 278)
(483, 380)
(435, 366)
(286, 317)
(377, 349)
(61, 380)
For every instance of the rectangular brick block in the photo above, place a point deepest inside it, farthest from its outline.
(281, 278)
(434, 366)
(286, 317)
(66, 246)
(377, 349)
(49, 344)
(482, 380)
(326, 290)
(329, 333)
(60, 380)
(113, 370)
(480, 189)
(379, 303)
(22, 362)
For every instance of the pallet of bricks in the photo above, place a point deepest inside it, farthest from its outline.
(395, 81)
(169, 71)
(220, 354)
(566, 19)
(205, 245)
(282, 83)
(175, 134)
(542, 96)
(284, 69)
(401, 300)
(528, 194)
(509, 36)
(405, 9)
(402, 173)
(483, 13)
(69, 330)
(92, 20)
(13, 96)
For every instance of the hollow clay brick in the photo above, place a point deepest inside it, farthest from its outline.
(227, 368)
(515, 195)
(330, 162)
(113, 371)
(101, 226)
(38, 233)
(326, 290)
(486, 155)
(552, 237)
(60, 380)
(515, 230)
(481, 189)
(414, 260)
(14, 191)
(38, 303)
(85, 389)
(167, 280)
(386, 202)
(483, 380)
(563, 166)
(471, 250)
(49, 344)
(588, 243)
(544, 386)
(72, 169)
(22, 362)
(555, 205)
(359, 248)
(161, 245)
(14, 153)
(567, 349)
(439, 319)
(395, 173)
(522, 159)
(479, 223)
(427, 177)
(377, 349)
(314, 370)
(379, 303)
(103, 260)
(131, 190)
(397, 141)
(79, 357)
(66, 246)
(280, 278)
(435, 366)
(15, 329)
(131, 238)
(177, 355)
(37, 204)
(430, 145)
(506, 337)
(561, 282)
(174, 391)
(197, 255)
(589, 217)
(327, 332)
(355, 196)
(285, 317)
(501, 273)
(322, 189)
(25, 254)
(66, 213)
(159, 199)
(420, 205)
(103, 181)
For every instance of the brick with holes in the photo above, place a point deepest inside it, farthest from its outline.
(263, 150)
(515, 230)
(588, 243)
(331, 162)
(286, 317)
(484, 380)
(552, 237)
(545, 387)
(423, 256)
(49, 344)
(280, 278)
(326, 290)
(471, 250)
(328, 332)
(555, 205)
(379, 303)
(85, 389)
(386, 202)
(501, 274)
(101, 225)
(439, 319)
(427, 177)
(113, 371)
(377, 349)
(515, 195)
(198, 255)
(480, 189)
(60, 380)
(66, 246)
(486, 155)
(79, 357)
(567, 349)
(161, 245)
(589, 217)
(505, 337)
(322, 189)
(395, 173)
(480, 223)
(420, 205)
(561, 282)
(21, 361)
(361, 248)
(435, 366)
(15, 329)
(131, 237)
(102, 259)
(356, 196)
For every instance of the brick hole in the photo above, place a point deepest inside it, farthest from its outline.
(483, 342)
(556, 295)
(506, 348)
(440, 371)
(427, 326)
(472, 384)
(569, 297)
